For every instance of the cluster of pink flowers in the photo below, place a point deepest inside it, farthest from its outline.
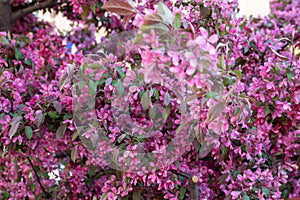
(245, 81)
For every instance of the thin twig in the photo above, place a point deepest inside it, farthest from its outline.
(38, 179)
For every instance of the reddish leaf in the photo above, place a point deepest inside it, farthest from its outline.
(146, 99)
(119, 7)
(223, 178)
(158, 28)
(15, 122)
(57, 106)
(126, 20)
(200, 136)
(228, 197)
(121, 138)
(63, 80)
(183, 108)
(75, 135)
(73, 154)
(205, 149)
(295, 198)
(136, 195)
(61, 131)
(38, 118)
(215, 111)
(104, 196)
(152, 19)
(167, 98)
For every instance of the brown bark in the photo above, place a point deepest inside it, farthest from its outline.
(8, 18)
(5, 15)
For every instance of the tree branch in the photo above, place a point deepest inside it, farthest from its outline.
(38, 179)
(38, 6)
(23, 5)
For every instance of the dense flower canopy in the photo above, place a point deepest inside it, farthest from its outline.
(244, 75)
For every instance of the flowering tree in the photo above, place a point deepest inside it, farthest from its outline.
(226, 88)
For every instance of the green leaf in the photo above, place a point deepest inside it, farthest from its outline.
(153, 112)
(182, 193)
(18, 54)
(276, 68)
(53, 115)
(28, 62)
(244, 148)
(91, 171)
(238, 73)
(285, 194)
(5, 194)
(243, 25)
(177, 21)
(236, 173)
(93, 7)
(146, 99)
(165, 13)
(120, 72)
(67, 116)
(209, 95)
(246, 197)
(46, 175)
(166, 112)
(32, 187)
(92, 87)
(120, 88)
(290, 75)
(28, 131)
(267, 110)
(85, 12)
(159, 27)
(221, 62)
(95, 66)
(265, 191)
(228, 81)
(4, 40)
(156, 93)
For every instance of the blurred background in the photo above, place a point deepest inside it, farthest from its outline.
(247, 7)
(254, 7)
